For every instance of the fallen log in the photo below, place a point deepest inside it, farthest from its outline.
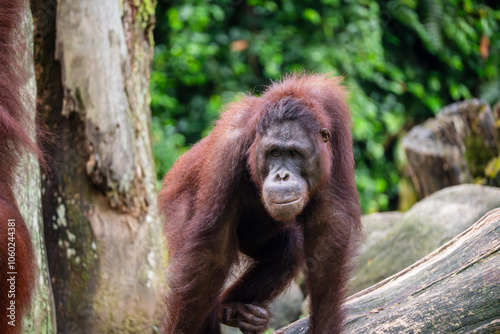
(454, 289)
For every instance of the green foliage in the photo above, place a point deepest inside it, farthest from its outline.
(403, 60)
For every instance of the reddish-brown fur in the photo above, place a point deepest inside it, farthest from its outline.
(13, 141)
(209, 190)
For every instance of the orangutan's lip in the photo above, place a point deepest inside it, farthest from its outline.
(288, 202)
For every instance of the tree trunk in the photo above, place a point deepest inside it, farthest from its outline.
(93, 66)
(452, 148)
(41, 317)
(454, 289)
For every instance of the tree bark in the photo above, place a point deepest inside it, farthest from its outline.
(93, 66)
(454, 289)
(451, 149)
(41, 316)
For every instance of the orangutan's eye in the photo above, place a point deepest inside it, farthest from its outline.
(293, 153)
(275, 152)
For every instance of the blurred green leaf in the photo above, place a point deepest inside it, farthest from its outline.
(312, 15)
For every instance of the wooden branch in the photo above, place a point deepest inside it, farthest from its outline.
(454, 289)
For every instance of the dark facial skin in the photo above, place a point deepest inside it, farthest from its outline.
(288, 167)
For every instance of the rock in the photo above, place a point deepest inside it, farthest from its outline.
(230, 330)
(306, 306)
(286, 308)
(396, 240)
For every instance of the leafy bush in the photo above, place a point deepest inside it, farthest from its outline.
(403, 60)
